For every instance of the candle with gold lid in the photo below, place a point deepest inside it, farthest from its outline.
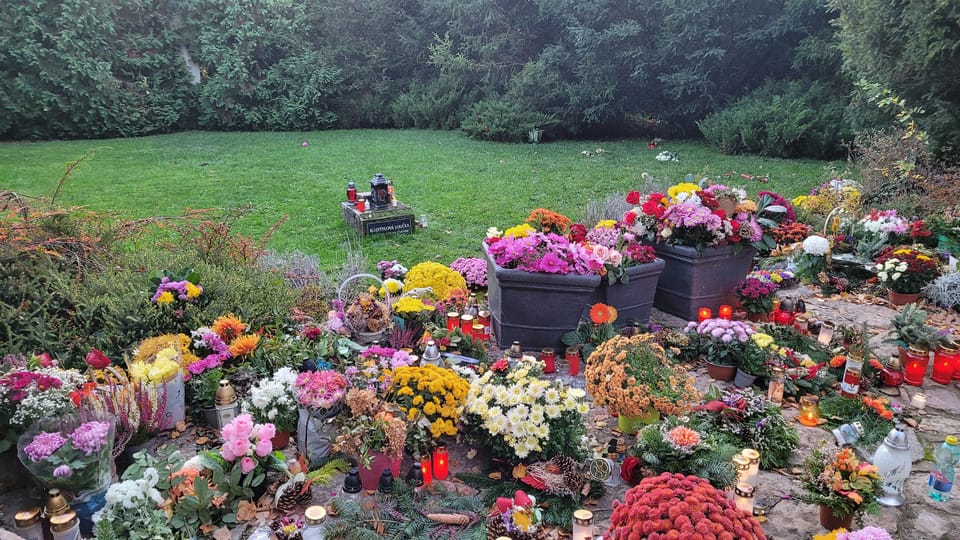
(65, 526)
(27, 523)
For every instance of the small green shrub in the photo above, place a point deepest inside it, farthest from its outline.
(792, 119)
(501, 120)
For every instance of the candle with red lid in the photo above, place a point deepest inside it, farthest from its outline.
(426, 469)
(916, 366)
(453, 321)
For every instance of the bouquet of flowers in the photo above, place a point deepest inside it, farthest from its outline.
(548, 221)
(429, 395)
(836, 192)
(722, 341)
(841, 482)
(27, 395)
(756, 296)
(246, 456)
(320, 389)
(318, 394)
(631, 375)
(814, 258)
(272, 400)
(866, 533)
(68, 454)
(676, 446)
(371, 426)
(133, 507)
(181, 286)
(521, 417)
(674, 502)
(906, 270)
(159, 361)
(215, 352)
(473, 270)
(883, 223)
(517, 516)
(745, 418)
(617, 247)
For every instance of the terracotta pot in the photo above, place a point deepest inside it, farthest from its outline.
(901, 299)
(758, 317)
(831, 522)
(633, 424)
(721, 373)
(280, 440)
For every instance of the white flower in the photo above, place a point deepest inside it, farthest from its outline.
(896, 276)
(816, 245)
(902, 267)
(882, 276)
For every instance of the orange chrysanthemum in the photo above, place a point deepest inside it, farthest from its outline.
(683, 437)
(601, 313)
(838, 361)
(228, 327)
(244, 345)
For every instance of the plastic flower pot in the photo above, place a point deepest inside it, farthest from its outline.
(634, 299)
(693, 280)
(743, 379)
(719, 372)
(901, 299)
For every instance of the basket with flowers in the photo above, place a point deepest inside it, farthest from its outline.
(372, 426)
(840, 483)
(520, 417)
(632, 376)
(906, 270)
(429, 396)
(675, 503)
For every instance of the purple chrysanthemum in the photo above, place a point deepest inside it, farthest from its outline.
(44, 445)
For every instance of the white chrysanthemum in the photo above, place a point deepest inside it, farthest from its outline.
(552, 395)
(552, 410)
(816, 245)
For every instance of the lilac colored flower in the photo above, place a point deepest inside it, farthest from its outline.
(63, 471)
(44, 445)
(90, 437)
(473, 270)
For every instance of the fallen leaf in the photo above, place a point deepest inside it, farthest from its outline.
(495, 475)
(222, 533)
(181, 426)
(246, 511)
(263, 515)
(175, 434)
(471, 454)
(796, 471)
(520, 471)
(203, 440)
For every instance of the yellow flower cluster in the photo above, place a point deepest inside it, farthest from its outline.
(682, 188)
(762, 340)
(828, 199)
(150, 348)
(165, 366)
(519, 231)
(410, 305)
(629, 375)
(606, 224)
(430, 393)
(832, 535)
(391, 285)
(522, 408)
(441, 279)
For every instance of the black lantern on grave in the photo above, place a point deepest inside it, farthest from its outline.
(379, 193)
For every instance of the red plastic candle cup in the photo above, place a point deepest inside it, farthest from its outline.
(484, 318)
(427, 471)
(466, 325)
(453, 321)
(944, 364)
(477, 331)
(361, 205)
(784, 317)
(916, 366)
(726, 312)
(573, 357)
(352, 192)
(549, 357)
(703, 314)
(441, 462)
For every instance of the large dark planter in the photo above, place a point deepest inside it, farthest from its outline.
(634, 299)
(692, 280)
(536, 309)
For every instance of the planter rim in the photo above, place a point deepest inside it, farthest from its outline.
(514, 275)
(692, 252)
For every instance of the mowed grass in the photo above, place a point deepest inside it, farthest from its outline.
(463, 186)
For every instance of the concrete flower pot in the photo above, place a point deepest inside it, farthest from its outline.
(634, 299)
(692, 280)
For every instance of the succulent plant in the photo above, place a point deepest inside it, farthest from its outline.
(677, 506)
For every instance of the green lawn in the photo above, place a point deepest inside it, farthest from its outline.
(463, 186)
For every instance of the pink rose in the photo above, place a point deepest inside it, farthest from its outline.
(239, 447)
(247, 464)
(229, 432)
(227, 454)
(244, 426)
(264, 447)
(266, 431)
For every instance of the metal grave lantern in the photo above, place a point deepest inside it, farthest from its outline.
(379, 192)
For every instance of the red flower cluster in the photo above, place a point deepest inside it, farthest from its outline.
(19, 381)
(918, 229)
(674, 506)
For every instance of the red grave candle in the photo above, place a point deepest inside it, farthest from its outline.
(916, 366)
(703, 314)
(441, 462)
(453, 321)
(945, 361)
(427, 471)
(466, 325)
(549, 357)
(726, 312)
(573, 357)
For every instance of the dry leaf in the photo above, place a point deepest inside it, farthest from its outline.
(263, 515)
(520, 471)
(471, 454)
(203, 440)
(181, 426)
(495, 475)
(246, 511)
(222, 533)
(174, 434)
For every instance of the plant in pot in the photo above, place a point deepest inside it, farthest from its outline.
(678, 446)
(843, 486)
(595, 331)
(373, 432)
(905, 272)
(720, 342)
(273, 401)
(915, 339)
(241, 464)
(633, 377)
(756, 297)
(752, 362)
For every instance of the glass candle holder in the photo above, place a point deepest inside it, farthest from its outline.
(704, 314)
(945, 360)
(573, 359)
(800, 324)
(483, 318)
(743, 498)
(726, 312)
(753, 471)
(742, 465)
(582, 525)
(27, 524)
(549, 358)
(809, 411)
(850, 382)
(784, 317)
(916, 366)
(826, 333)
(778, 378)
(919, 401)
(466, 325)
(361, 204)
(453, 321)
(351, 192)
(441, 462)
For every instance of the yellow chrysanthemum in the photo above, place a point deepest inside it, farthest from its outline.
(244, 345)
(683, 187)
(166, 297)
(193, 291)
(519, 231)
(606, 224)
(762, 340)
(429, 408)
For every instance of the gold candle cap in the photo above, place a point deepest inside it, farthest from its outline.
(226, 395)
(741, 462)
(751, 454)
(63, 522)
(744, 489)
(56, 503)
(27, 518)
(314, 515)
(583, 517)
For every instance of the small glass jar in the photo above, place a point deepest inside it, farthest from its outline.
(809, 411)
(466, 324)
(65, 526)
(825, 336)
(778, 377)
(753, 471)
(352, 191)
(27, 524)
(484, 318)
(743, 497)
(945, 364)
(582, 525)
(313, 517)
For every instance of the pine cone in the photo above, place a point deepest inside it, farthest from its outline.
(293, 495)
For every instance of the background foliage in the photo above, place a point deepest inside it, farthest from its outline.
(495, 68)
